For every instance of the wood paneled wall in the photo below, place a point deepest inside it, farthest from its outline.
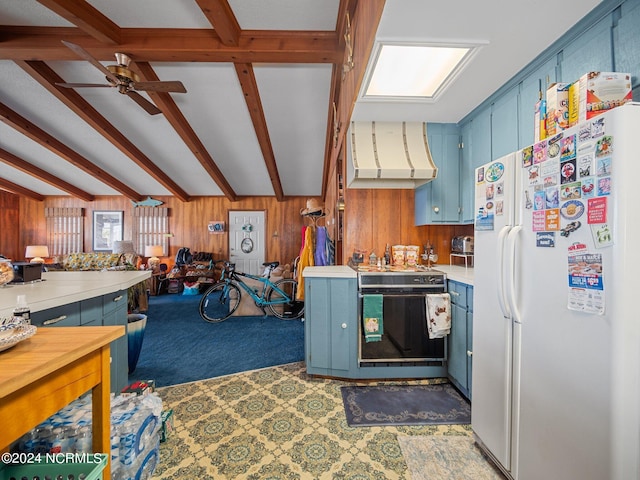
(10, 245)
(373, 218)
(187, 222)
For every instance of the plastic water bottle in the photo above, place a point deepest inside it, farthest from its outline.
(22, 312)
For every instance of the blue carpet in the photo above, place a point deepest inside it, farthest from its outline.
(178, 346)
(370, 406)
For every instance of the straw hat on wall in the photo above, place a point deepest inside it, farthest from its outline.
(314, 207)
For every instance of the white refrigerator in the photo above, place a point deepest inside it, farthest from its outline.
(556, 336)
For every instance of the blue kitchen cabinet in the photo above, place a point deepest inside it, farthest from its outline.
(504, 124)
(467, 176)
(114, 312)
(331, 328)
(460, 340)
(590, 52)
(480, 136)
(110, 309)
(438, 201)
(61, 316)
(530, 88)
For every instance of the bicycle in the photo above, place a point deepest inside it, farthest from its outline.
(221, 300)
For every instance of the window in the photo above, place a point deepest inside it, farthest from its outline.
(65, 230)
(150, 227)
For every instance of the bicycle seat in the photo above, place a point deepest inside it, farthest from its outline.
(271, 265)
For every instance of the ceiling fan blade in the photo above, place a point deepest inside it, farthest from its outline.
(84, 85)
(81, 52)
(168, 86)
(149, 107)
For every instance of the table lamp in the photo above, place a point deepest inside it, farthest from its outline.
(36, 252)
(152, 252)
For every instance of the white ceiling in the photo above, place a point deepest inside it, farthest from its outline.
(295, 97)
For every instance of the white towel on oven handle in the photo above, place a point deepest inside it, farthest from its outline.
(438, 314)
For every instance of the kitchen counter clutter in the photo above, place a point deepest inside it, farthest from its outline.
(61, 288)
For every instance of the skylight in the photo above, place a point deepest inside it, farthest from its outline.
(414, 71)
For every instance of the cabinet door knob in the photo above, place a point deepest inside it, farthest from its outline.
(436, 209)
(455, 294)
(344, 325)
(118, 298)
(469, 353)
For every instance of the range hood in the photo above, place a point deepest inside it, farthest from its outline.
(388, 155)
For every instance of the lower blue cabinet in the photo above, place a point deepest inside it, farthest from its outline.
(110, 309)
(461, 336)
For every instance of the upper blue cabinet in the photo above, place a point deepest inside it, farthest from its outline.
(439, 200)
(608, 39)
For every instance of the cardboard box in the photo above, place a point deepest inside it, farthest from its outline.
(167, 425)
(599, 92)
(141, 387)
(557, 108)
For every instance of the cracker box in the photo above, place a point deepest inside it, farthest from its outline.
(557, 108)
(599, 92)
(539, 121)
(167, 424)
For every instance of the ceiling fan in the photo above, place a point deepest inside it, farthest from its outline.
(124, 79)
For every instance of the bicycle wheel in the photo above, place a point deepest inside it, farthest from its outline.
(280, 308)
(219, 302)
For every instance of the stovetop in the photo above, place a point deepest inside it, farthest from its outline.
(418, 277)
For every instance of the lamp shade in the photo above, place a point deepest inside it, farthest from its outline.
(153, 251)
(123, 246)
(36, 252)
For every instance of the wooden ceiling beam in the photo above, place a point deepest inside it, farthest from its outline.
(87, 18)
(182, 127)
(173, 45)
(26, 167)
(364, 24)
(19, 190)
(224, 22)
(48, 78)
(254, 104)
(35, 133)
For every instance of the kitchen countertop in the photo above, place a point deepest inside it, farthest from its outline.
(453, 272)
(457, 273)
(332, 271)
(62, 288)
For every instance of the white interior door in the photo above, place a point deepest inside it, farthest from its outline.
(246, 240)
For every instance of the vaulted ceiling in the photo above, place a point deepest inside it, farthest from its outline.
(261, 79)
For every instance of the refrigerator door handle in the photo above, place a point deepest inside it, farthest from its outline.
(512, 241)
(502, 265)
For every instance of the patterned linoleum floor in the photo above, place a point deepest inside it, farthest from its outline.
(280, 423)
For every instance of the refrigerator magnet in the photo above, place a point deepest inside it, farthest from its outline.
(602, 235)
(546, 239)
(604, 146)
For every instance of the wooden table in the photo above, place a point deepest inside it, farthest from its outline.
(42, 374)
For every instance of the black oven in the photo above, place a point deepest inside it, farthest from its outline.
(405, 340)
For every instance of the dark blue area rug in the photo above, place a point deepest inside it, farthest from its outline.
(179, 347)
(371, 406)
